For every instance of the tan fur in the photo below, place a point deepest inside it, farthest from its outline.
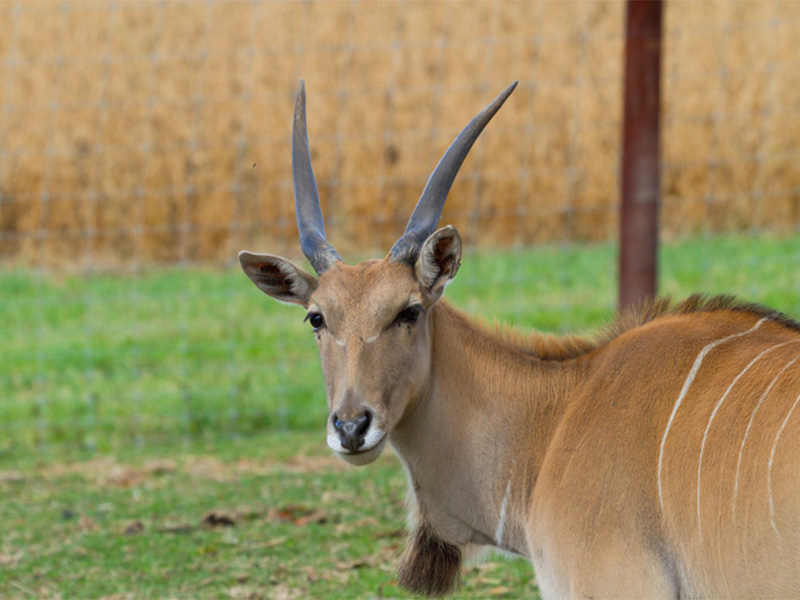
(580, 453)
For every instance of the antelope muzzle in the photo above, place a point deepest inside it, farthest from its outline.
(352, 432)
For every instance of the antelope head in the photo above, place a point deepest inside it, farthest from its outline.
(371, 320)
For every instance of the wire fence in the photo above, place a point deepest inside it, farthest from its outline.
(143, 144)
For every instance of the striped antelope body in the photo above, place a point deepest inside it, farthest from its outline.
(660, 459)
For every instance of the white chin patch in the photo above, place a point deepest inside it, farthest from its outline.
(374, 442)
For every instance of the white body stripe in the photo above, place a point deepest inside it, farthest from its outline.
(711, 419)
(501, 524)
(769, 467)
(692, 374)
(747, 430)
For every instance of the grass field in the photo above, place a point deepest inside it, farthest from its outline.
(107, 362)
(162, 435)
(270, 517)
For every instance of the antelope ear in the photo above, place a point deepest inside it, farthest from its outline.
(278, 277)
(438, 261)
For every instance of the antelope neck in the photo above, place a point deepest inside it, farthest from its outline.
(484, 420)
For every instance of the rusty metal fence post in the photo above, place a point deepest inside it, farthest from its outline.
(640, 178)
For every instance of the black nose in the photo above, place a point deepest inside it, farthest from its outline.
(351, 431)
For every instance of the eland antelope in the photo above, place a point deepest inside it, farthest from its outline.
(658, 459)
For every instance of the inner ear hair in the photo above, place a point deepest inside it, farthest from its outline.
(439, 259)
(274, 277)
(429, 566)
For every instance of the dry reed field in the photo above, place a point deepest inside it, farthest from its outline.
(137, 132)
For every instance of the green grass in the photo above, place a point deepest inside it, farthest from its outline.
(107, 362)
(133, 407)
(302, 524)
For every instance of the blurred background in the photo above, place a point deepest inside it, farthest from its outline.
(143, 144)
(154, 133)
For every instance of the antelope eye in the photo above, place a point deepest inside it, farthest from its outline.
(316, 319)
(409, 315)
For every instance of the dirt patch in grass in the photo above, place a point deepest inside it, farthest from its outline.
(239, 524)
(110, 472)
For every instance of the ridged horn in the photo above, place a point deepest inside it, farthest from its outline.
(310, 227)
(426, 215)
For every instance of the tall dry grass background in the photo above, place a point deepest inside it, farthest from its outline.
(139, 132)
